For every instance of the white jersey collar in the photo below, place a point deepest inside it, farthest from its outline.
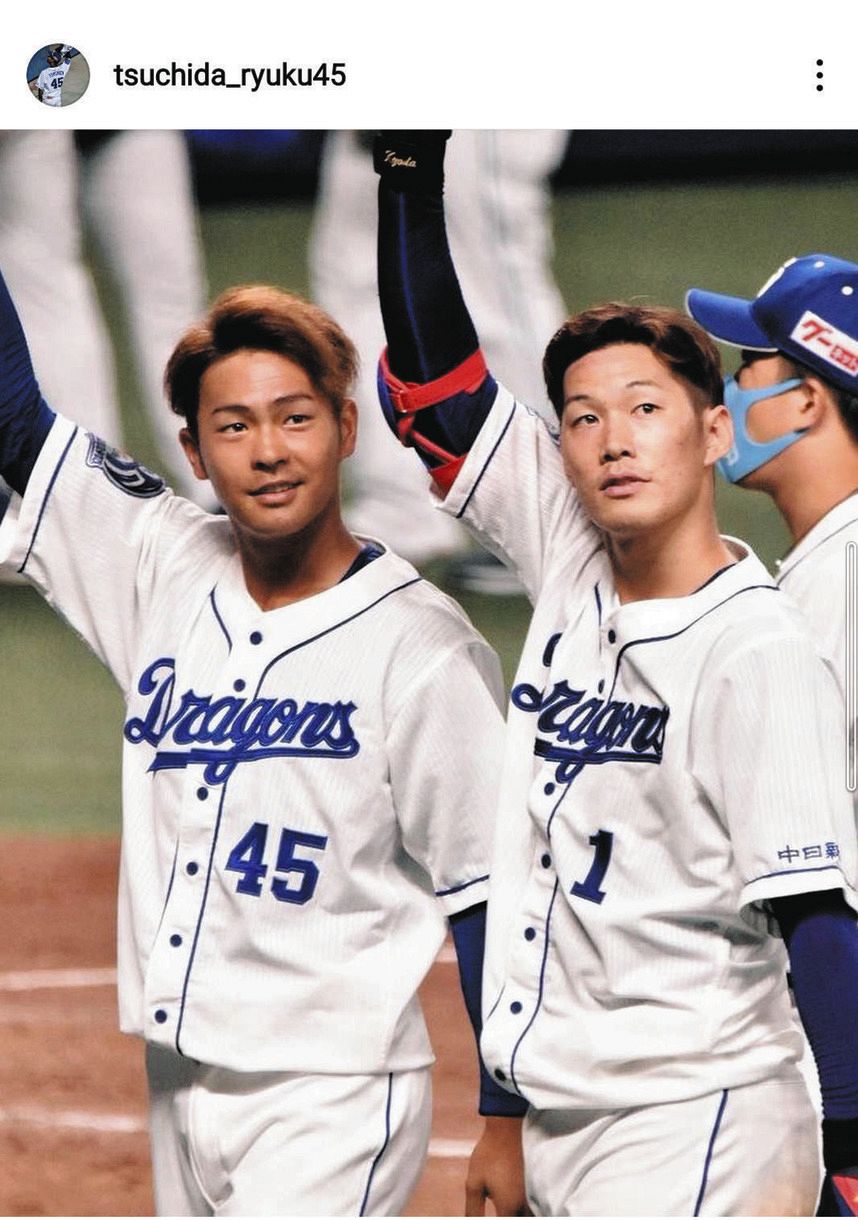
(843, 514)
(667, 615)
(314, 615)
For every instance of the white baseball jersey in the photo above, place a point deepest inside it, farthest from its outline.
(814, 575)
(50, 82)
(306, 792)
(671, 765)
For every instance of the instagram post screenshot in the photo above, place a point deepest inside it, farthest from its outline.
(428, 614)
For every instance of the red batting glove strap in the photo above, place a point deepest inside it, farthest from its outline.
(411, 396)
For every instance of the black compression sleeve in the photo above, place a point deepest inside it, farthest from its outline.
(429, 330)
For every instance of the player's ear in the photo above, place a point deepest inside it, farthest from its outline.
(192, 453)
(348, 421)
(815, 399)
(718, 428)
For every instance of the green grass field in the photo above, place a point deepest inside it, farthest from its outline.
(60, 715)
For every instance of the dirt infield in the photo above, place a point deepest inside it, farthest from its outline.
(72, 1094)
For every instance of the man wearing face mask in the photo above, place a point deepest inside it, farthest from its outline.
(794, 403)
(798, 382)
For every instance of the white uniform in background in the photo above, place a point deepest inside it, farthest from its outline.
(307, 793)
(134, 191)
(671, 764)
(814, 575)
(498, 211)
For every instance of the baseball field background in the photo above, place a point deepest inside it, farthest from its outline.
(72, 1133)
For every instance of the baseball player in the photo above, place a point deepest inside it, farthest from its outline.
(49, 83)
(798, 381)
(671, 796)
(311, 747)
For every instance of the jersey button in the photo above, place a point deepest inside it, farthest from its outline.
(499, 1075)
(546, 861)
(601, 685)
(612, 636)
(175, 940)
(548, 789)
(202, 794)
(515, 1007)
(160, 1016)
(256, 637)
(530, 933)
(192, 868)
(239, 684)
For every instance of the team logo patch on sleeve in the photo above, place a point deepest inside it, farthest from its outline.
(122, 471)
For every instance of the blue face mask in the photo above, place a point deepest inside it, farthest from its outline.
(747, 454)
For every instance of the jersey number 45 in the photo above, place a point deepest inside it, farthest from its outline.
(295, 877)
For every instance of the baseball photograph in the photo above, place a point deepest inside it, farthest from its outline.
(423, 606)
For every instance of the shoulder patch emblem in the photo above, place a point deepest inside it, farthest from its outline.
(122, 471)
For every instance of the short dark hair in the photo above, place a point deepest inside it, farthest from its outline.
(847, 404)
(259, 317)
(672, 336)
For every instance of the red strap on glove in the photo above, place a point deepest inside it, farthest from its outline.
(409, 397)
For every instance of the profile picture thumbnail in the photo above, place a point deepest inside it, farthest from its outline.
(58, 74)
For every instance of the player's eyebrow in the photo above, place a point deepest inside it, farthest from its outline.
(281, 401)
(630, 385)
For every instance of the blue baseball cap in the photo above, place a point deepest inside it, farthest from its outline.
(808, 310)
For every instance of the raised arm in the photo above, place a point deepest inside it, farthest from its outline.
(435, 389)
(25, 417)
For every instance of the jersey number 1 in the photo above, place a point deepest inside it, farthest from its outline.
(589, 888)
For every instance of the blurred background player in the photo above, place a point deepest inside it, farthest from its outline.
(798, 382)
(499, 221)
(129, 193)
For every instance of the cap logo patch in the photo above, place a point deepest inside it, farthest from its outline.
(823, 339)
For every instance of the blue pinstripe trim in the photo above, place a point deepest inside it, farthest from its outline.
(335, 627)
(455, 889)
(381, 1150)
(709, 1152)
(198, 928)
(656, 639)
(486, 463)
(169, 887)
(560, 798)
(44, 504)
(220, 620)
(791, 872)
(497, 1001)
(526, 1029)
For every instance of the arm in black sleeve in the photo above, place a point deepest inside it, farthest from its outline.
(432, 365)
(469, 935)
(821, 935)
(25, 417)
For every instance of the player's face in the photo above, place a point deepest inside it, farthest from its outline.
(635, 446)
(271, 445)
